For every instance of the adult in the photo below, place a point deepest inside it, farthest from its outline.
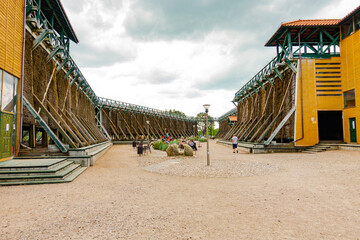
(235, 143)
(192, 145)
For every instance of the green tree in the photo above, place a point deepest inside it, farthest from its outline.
(201, 118)
(175, 112)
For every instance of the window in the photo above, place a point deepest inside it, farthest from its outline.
(9, 92)
(349, 98)
(1, 74)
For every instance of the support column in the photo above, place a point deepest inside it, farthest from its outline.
(32, 136)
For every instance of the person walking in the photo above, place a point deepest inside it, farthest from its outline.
(235, 143)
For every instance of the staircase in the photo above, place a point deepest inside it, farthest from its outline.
(316, 149)
(38, 171)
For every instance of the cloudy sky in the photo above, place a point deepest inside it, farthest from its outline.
(180, 54)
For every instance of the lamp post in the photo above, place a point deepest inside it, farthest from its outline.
(147, 129)
(206, 106)
(194, 130)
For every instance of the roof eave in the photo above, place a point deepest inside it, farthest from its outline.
(73, 37)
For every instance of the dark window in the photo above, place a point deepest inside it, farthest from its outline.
(349, 98)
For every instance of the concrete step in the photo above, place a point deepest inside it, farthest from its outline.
(316, 149)
(30, 164)
(69, 178)
(38, 171)
(39, 177)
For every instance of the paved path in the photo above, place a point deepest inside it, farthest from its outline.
(309, 197)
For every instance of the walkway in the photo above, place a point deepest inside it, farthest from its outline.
(303, 197)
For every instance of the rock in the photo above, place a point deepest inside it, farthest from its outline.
(188, 151)
(172, 150)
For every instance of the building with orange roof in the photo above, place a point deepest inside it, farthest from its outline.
(309, 92)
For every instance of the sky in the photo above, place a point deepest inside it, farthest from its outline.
(181, 54)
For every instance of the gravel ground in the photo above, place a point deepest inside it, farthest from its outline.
(195, 167)
(275, 196)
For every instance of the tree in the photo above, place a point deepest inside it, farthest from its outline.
(176, 112)
(201, 118)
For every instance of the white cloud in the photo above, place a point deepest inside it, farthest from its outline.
(338, 9)
(208, 65)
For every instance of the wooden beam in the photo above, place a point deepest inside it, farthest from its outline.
(64, 124)
(81, 128)
(58, 126)
(32, 136)
(112, 125)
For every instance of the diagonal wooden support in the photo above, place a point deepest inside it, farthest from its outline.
(81, 128)
(94, 130)
(64, 124)
(43, 124)
(112, 125)
(56, 123)
(119, 124)
(285, 119)
(245, 130)
(139, 125)
(257, 132)
(269, 127)
(73, 127)
(127, 126)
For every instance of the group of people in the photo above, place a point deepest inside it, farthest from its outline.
(166, 138)
(191, 143)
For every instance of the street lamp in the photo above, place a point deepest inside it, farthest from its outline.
(147, 123)
(194, 130)
(206, 106)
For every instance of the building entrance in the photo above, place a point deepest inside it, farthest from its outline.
(330, 125)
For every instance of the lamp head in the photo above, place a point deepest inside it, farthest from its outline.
(206, 106)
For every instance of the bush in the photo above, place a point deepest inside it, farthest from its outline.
(163, 146)
(172, 150)
(188, 151)
(174, 142)
(156, 145)
(202, 139)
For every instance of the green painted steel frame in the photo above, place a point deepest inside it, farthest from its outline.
(58, 45)
(128, 107)
(287, 56)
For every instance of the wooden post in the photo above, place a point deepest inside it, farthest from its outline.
(32, 136)
(44, 138)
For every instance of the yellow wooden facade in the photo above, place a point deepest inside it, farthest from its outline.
(344, 75)
(350, 61)
(320, 81)
(11, 36)
(11, 45)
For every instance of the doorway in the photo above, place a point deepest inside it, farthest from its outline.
(353, 130)
(330, 125)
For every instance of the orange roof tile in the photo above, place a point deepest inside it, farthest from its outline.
(233, 118)
(312, 22)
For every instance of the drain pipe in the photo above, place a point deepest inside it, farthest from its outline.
(22, 83)
(301, 92)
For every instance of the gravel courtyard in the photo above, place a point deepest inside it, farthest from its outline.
(240, 196)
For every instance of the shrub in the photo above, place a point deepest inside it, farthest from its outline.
(202, 139)
(174, 142)
(172, 150)
(156, 145)
(163, 146)
(188, 151)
